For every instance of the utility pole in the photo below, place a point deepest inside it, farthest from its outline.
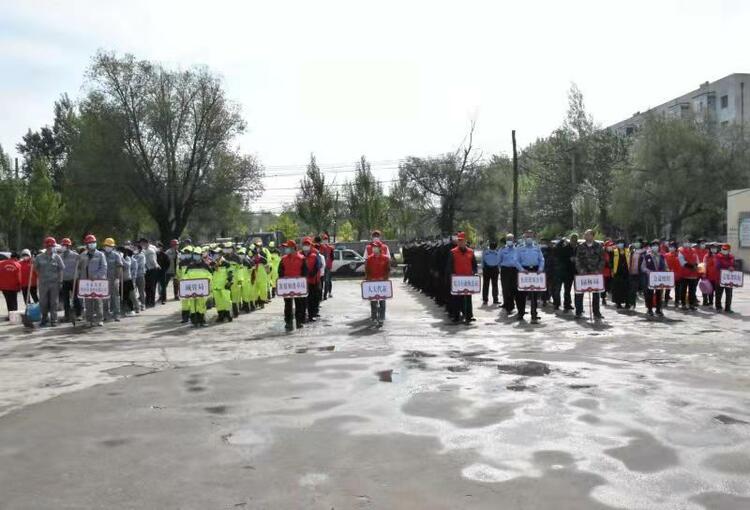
(18, 224)
(335, 216)
(573, 181)
(515, 185)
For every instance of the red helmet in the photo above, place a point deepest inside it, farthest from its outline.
(50, 241)
(174, 242)
(290, 244)
(66, 242)
(307, 240)
(89, 239)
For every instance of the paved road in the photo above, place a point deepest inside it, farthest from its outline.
(147, 413)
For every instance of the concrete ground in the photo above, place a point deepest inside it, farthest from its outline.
(149, 414)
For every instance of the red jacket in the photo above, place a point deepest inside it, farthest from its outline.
(464, 263)
(384, 250)
(10, 275)
(312, 262)
(701, 252)
(607, 270)
(292, 266)
(327, 251)
(25, 272)
(673, 264)
(691, 259)
(377, 267)
(724, 261)
(712, 270)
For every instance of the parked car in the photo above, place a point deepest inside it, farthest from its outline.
(347, 262)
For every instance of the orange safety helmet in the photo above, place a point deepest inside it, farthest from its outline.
(49, 242)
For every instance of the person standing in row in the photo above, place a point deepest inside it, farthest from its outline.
(619, 263)
(589, 260)
(274, 258)
(689, 264)
(565, 270)
(509, 273)
(129, 303)
(327, 250)
(312, 261)
(139, 258)
(92, 266)
(377, 236)
(161, 276)
(222, 285)
(69, 292)
(673, 264)
(490, 272)
(173, 254)
(653, 261)
(712, 273)
(634, 269)
(293, 265)
(549, 269)
(152, 271)
(49, 267)
(377, 267)
(28, 278)
(724, 261)
(530, 260)
(114, 276)
(462, 262)
(10, 282)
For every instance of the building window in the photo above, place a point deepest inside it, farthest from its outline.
(724, 101)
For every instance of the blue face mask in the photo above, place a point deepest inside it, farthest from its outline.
(528, 241)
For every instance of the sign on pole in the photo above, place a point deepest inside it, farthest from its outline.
(532, 282)
(465, 285)
(376, 290)
(659, 280)
(589, 283)
(194, 288)
(93, 289)
(291, 287)
(730, 278)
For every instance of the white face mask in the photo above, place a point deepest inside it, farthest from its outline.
(91, 246)
(528, 241)
(375, 238)
(108, 249)
(306, 248)
(655, 249)
(288, 251)
(725, 252)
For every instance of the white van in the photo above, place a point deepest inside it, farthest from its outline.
(348, 262)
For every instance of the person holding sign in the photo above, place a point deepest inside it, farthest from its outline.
(725, 262)
(530, 260)
(197, 269)
(186, 256)
(589, 260)
(377, 267)
(293, 265)
(652, 260)
(462, 262)
(93, 266)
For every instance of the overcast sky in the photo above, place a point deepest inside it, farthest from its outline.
(386, 79)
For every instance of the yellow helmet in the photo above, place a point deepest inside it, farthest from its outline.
(187, 250)
(272, 244)
(109, 242)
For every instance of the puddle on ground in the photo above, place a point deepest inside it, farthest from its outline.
(217, 409)
(458, 368)
(526, 368)
(581, 386)
(111, 443)
(130, 370)
(728, 420)
(518, 387)
(327, 348)
(196, 389)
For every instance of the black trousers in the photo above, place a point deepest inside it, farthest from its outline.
(689, 292)
(720, 291)
(653, 298)
(68, 294)
(521, 303)
(34, 294)
(509, 280)
(564, 285)
(313, 300)
(679, 292)
(461, 305)
(163, 280)
(152, 277)
(11, 299)
(127, 296)
(294, 308)
(489, 275)
(594, 303)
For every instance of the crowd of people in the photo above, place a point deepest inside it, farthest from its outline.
(624, 266)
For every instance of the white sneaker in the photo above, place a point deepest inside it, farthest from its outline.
(100, 324)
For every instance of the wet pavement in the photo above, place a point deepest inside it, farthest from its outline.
(421, 414)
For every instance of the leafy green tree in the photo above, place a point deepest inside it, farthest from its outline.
(315, 200)
(409, 214)
(345, 232)
(46, 208)
(365, 200)
(177, 128)
(285, 224)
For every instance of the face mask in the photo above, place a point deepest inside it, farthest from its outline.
(375, 238)
(702, 245)
(655, 249)
(725, 252)
(620, 245)
(672, 249)
(714, 250)
(325, 241)
(306, 248)
(376, 251)
(528, 241)
(636, 245)
(287, 251)
(509, 244)
(91, 246)
(108, 249)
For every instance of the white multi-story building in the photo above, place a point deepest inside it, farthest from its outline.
(722, 102)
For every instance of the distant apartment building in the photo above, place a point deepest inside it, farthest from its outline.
(722, 102)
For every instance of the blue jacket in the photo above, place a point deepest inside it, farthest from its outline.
(530, 256)
(509, 257)
(490, 258)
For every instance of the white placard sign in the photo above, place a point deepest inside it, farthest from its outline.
(731, 278)
(195, 288)
(589, 283)
(661, 280)
(532, 282)
(291, 287)
(376, 290)
(93, 289)
(465, 285)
